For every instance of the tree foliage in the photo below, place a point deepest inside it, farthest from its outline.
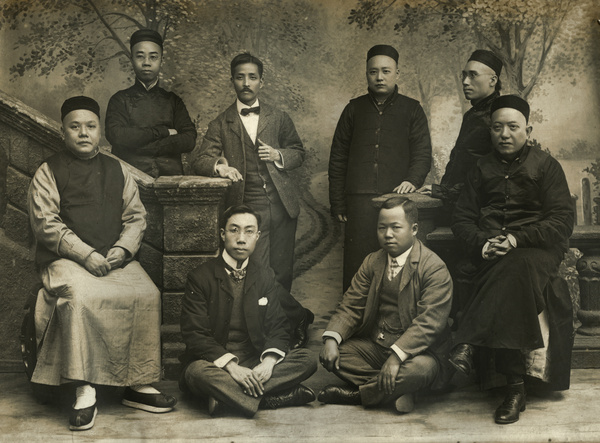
(82, 37)
(521, 32)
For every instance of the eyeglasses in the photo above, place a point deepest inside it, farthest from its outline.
(238, 231)
(472, 74)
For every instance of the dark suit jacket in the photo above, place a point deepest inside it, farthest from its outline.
(226, 137)
(206, 311)
(423, 304)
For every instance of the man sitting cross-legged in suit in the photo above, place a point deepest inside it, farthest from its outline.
(236, 333)
(389, 336)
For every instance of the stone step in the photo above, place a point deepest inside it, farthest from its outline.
(171, 333)
(171, 307)
(172, 350)
(171, 368)
(586, 352)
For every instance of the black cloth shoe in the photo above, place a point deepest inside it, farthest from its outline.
(300, 338)
(514, 402)
(339, 395)
(298, 396)
(82, 419)
(461, 358)
(157, 403)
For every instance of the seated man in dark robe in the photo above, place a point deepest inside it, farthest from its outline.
(516, 215)
(389, 337)
(98, 316)
(235, 331)
(147, 126)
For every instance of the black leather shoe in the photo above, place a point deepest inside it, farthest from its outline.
(82, 419)
(148, 402)
(298, 396)
(514, 402)
(461, 358)
(214, 407)
(339, 395)
(300, 338)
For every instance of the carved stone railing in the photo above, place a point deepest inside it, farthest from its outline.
(183, 217)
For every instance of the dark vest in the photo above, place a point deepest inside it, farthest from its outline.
(91, 201)
(389, 327)
(259, 186)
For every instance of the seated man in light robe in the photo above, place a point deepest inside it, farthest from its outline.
(98, 316)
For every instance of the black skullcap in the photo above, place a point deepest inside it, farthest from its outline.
(145, 35)
(488, 58)
(511, 101)
(383, 50)
(79, 102)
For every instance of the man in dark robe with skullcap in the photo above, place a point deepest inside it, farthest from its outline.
(97, 317)
(147, 126)
(515, 214)
(381, 145)
(481, 85)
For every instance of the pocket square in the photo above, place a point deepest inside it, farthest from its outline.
(263, 301)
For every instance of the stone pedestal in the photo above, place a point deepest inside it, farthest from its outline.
(183, 233)
(586, 351)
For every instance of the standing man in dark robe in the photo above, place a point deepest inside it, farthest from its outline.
(481, 85)
(255, 145)
(147, 126)
(381, 145)
(235, 332)
(516, 215)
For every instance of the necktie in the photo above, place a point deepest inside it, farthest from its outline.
(394, 269)
(236, 274)
(246, 111)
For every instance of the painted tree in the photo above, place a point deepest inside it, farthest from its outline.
(81, 38)
(521, 32)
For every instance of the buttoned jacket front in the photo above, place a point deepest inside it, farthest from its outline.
(424, 302)
(226, 137)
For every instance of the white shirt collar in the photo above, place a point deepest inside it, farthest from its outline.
(401, 259)
(241, 105)
(232, 261)
(152, 85)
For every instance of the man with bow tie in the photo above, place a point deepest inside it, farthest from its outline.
(235, 332)
(389, 336)
(255, 145)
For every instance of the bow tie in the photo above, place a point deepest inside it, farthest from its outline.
(246, 111)
(236, 274)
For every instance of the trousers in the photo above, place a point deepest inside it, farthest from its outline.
(361, 360)
(204, 379)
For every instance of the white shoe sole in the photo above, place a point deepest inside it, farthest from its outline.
(145, 407)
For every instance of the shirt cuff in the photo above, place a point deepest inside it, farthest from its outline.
(224, 359)
(332, 334)
(400, 353)
(512, 240)
(279, 163)
(220, 161)
(276, 351)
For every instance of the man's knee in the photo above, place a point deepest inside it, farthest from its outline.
(304, 357)
(198, 372)
(421, 368)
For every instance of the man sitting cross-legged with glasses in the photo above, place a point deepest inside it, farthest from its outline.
(236, 333)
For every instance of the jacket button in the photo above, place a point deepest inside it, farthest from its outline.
(506, 177)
